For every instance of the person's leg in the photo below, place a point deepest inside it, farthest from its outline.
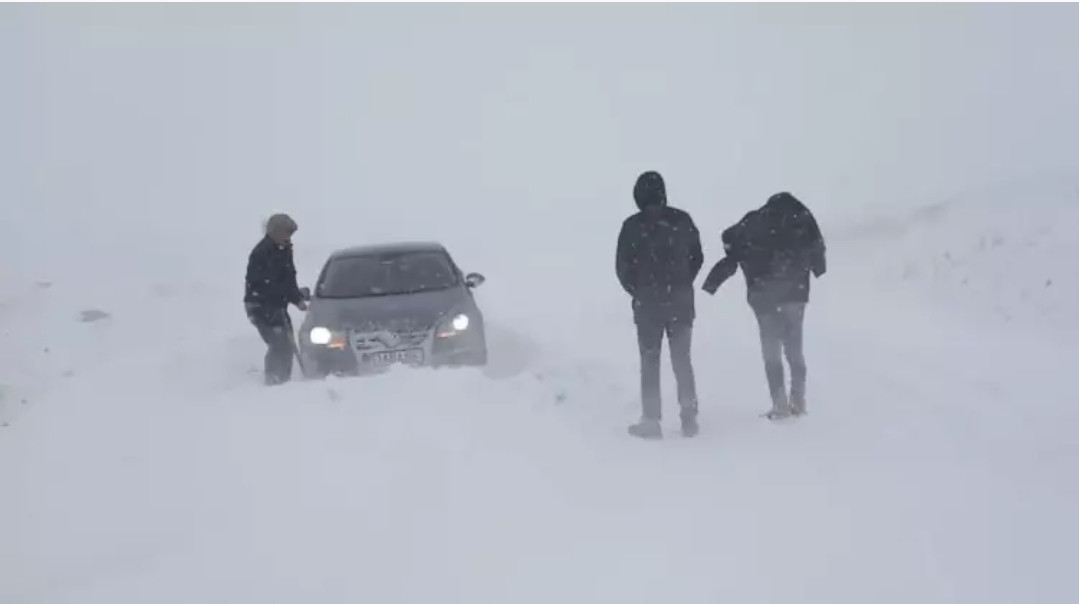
(680, 336)
(793, 318)
(279, 357)
(650, 345)
(273, 328)
(770, 323)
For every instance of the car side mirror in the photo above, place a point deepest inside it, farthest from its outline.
(305, 294)
(474, 280)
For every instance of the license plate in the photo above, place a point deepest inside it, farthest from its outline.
(391, 357)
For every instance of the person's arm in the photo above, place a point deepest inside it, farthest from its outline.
(722, 271)
(626, 258)
(810, 242)
(292, 288)
(733, 248)
(818, 253)
(258, 276)
(696, 253)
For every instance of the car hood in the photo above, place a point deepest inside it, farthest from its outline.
(406, 312)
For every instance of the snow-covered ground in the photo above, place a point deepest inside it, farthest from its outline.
(141, 460)
(937, 464)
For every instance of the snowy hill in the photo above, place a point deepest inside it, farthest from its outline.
(1005, 256)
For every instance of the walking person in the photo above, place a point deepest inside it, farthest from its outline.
(777, 246)
(657, 261)
(270, 286)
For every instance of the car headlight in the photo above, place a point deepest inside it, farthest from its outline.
(320, 336)
(454, 326)
(460, 322)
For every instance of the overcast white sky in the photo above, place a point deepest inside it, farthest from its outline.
(505, 127)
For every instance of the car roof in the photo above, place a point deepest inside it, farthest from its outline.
(388, 248)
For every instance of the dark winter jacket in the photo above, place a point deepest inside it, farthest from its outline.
(659, 255)
(271, 280)
(777, 246)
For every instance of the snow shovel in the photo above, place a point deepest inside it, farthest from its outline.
(306, 294)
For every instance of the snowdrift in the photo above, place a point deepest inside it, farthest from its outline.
(1003, 257)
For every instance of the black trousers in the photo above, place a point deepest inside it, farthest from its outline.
(781, 335)
(650, 332)
(275, 329)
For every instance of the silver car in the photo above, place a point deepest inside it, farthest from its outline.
(383, 305)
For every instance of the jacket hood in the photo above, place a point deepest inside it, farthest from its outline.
(784, 202)
(280, 228)
(650, 191)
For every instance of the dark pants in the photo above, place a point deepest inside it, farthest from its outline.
(781, 334)
(275, 328)
(650, 333)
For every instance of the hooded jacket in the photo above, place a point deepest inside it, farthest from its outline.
(270, 283)
(659, 255)
(777, 246)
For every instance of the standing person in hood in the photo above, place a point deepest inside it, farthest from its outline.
(270, 287)
(777, 246)
(659, 256)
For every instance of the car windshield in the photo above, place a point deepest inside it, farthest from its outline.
(387, 274)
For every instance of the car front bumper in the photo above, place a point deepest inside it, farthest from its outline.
(356, 356)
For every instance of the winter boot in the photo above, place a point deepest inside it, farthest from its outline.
(798, 403)
(689, 420)
(781, 409)
(273, 379)
(647, 428)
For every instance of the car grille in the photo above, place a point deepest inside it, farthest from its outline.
(388, 340)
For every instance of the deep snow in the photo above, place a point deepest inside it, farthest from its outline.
(937, 464)
(142, 461)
